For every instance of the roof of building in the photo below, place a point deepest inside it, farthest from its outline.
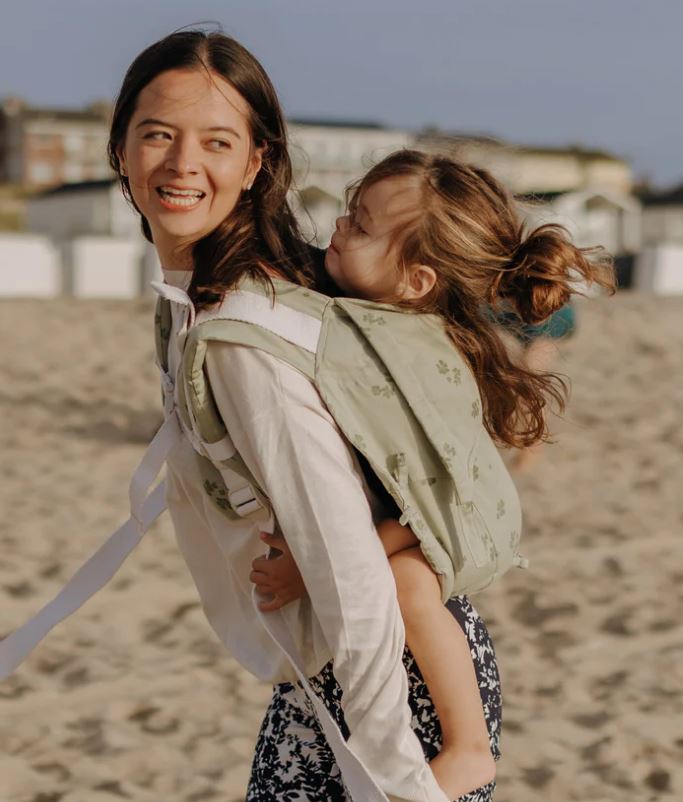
(97, 112)
(331, 123)
(669, 197)
(77, 186)
(63, 115)
(571, 150)
(464, 138)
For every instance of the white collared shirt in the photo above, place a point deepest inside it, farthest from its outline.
(295, 451)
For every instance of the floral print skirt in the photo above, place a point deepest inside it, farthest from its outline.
(293, 762)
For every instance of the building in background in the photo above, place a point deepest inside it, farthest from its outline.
(99, 250)
(96, 237)
(528, 170)
(44, 147)
(663, 216)
(593, 216)
(660, 263)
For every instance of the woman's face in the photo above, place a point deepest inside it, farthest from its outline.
(188, 154)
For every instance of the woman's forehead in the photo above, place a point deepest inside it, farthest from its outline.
(191, 94)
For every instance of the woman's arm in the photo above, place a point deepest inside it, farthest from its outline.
(292, 446)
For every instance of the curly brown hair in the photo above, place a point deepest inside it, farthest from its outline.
(469, 230)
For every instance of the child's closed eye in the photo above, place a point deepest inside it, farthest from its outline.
(358, 227)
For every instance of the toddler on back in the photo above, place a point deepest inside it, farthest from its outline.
(436, 236)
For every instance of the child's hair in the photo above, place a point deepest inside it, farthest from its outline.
(467, 228)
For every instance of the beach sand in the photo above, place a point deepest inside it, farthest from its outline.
(134, 697)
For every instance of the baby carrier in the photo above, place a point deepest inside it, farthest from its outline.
(400, 393)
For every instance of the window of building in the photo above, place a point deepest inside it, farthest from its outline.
(39, 139)
(73, 171)
(73, 143)
(41, 173)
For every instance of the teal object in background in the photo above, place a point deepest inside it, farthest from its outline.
(560, 324)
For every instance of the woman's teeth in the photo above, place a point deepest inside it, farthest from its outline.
(180, 197)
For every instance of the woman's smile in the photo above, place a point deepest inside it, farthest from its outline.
(177, 199)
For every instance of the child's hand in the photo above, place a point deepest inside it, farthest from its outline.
(278, 576)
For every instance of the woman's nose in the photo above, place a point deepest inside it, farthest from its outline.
(342, 222)
(182, 158)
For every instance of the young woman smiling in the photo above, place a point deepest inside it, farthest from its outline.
(199, 142)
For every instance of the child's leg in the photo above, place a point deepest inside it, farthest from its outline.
(442, 653)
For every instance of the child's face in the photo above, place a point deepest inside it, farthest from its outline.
(362, 258)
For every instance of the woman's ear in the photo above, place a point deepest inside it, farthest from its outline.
(121, 156)
(255, 164)
(421, 280)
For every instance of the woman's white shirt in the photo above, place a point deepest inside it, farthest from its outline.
(292, 446)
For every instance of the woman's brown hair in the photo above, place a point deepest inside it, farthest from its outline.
(261, 230)
(467, 227)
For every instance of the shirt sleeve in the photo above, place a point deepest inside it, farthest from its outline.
(290, 443)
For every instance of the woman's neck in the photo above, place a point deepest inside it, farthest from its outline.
(175, 257)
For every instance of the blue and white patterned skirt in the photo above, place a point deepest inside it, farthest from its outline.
(293, 762)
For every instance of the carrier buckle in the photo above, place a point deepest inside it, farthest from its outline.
(244, 501)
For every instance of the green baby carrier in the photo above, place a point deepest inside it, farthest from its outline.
(401, 394)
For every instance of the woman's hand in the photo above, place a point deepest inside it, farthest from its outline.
(277, 576)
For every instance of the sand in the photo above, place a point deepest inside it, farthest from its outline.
(134, 697)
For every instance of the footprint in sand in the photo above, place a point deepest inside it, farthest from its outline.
(154, 721)
(618, 624)
(592, 721)
(19, 590)
(60, 772)
(529, 613)
(538, 777)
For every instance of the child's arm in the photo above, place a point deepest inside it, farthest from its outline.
(395, 537)
(277, 576)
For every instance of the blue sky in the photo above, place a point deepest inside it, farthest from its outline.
(601, 73)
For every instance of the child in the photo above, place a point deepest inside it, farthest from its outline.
(433, 235)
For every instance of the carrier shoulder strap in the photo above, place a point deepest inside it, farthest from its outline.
(286, 326)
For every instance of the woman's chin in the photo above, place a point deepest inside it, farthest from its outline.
(183, 232)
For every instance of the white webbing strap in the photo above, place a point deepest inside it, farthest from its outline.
(220, 450)
(150, 465)
(356, 777)
(106, 561)
(296, 327)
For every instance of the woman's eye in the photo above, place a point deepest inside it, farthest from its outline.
(359, 227)
(157, 135)
(220, 144)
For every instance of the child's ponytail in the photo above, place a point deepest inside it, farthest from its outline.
(546, 269)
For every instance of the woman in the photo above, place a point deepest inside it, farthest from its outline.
(198, 140)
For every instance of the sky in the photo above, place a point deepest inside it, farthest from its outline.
(604, 74)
